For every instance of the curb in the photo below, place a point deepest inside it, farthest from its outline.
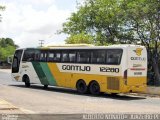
(150, 92)
(11, 112)
(5, 70)
(153, 90)
(8, 108)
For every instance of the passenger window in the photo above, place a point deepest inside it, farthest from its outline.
(37, 55)
(113, 57)
(65, 57)
(83, 57)
(57, 57)
(29, 55)
(69, 57)
(51, 56)
(98, 57)
(54, 56)
(43, 56)
(72, 57)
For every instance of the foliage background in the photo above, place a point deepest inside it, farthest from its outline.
(7, 48)
(103, 22)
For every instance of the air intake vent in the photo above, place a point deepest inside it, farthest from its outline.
(113, 83)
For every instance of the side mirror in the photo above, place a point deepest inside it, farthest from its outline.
(9, 59)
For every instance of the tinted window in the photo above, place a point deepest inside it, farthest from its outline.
(69, 57)
(98, 57)
(29, 55)
(113, 56)
(43, 56)
(51, 56)
(65, 57)
(57, 57)
(18, 54)
(54, 56)
(16, 61)
(37, 55)
(83, 57)
(72, 57)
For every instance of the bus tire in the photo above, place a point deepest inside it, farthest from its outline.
(26, 80)
(94, 88)
(45, 86)
(81, 87)
(114, 94)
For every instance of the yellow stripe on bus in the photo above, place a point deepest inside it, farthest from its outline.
(69, 80)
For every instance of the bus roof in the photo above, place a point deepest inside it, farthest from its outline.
(69, 45)
(86, 46)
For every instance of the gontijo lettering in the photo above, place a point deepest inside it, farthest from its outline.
(138, 58)
(76, 67)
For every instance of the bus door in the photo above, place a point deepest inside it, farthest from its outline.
(16, 64)
(137, 66)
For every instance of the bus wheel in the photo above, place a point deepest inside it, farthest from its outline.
(26, 80)
(94, 88)
(81, 86)
(114, 94)
(45, 86)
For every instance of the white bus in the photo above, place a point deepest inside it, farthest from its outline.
(94, 69)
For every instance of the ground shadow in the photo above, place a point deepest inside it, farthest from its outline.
(71, 91)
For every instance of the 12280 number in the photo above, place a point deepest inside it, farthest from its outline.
(108, 69)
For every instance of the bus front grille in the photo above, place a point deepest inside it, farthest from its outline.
(113, 83)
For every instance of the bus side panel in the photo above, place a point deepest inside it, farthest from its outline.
(137, 68)
(58, 76)
(70, 78)
(68, 74)
(16, 77)
(27, 68)
(44, 74)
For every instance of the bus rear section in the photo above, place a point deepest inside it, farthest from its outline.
(135, 76)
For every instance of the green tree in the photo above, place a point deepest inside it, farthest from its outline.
(119, 21)
(102, 19)
(79, 38)
(142, 17)
(98, 18)
(7, 48)
(5, 52)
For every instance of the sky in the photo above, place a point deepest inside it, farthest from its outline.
(28, 21)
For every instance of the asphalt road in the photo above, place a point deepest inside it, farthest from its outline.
(65, 101)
